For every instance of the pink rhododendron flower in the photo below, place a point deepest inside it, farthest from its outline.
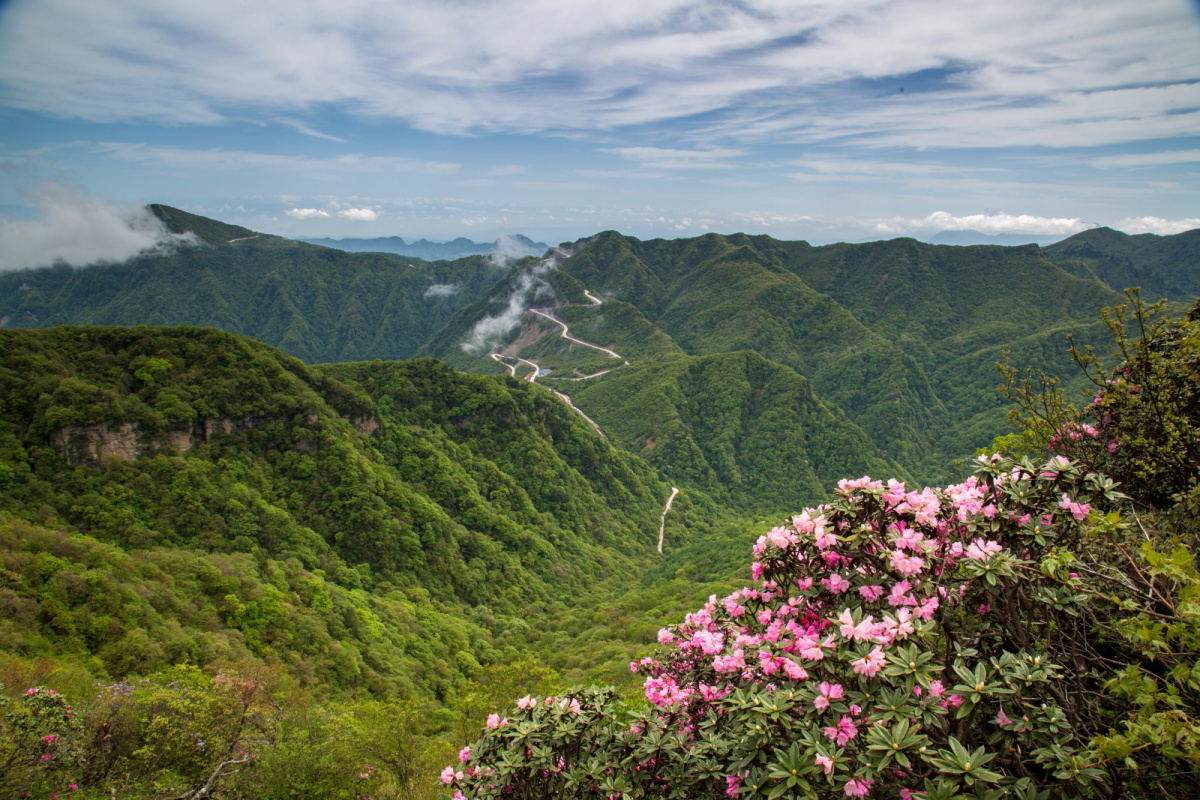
(781, 537)
(871, 663)
(528, 702)
(857, 787)
(835, 583)
(464, 754)
(907, 566)
(828, 691)
(982, 551)
(1079, 511)
(794, 671)
(494, 721)
(871, 593)
(825, 762)
(843, 732)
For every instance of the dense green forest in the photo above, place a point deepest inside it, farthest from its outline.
(899, 338)
(280, 570)
(314, 303)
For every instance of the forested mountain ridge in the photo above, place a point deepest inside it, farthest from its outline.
(315, 303)
(899, 338)
(1164, 266)
(902, 337)
(350, 483)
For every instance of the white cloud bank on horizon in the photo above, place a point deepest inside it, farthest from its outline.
(986, 223)
(976, 74)
(1157, 225)
(352, 214)
(76, 230)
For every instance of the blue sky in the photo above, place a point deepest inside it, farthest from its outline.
(824, 120)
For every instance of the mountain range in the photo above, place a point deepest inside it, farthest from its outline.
(515, 245)
(391, 478)
(976, 237)
(759, 371)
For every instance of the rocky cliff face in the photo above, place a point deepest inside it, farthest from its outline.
(125, 441)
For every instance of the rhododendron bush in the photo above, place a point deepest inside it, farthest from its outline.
(898, 643)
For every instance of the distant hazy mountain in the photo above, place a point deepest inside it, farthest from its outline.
(515, 245)
(1006, 239)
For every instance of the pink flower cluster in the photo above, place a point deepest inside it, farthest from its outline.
(842, 593)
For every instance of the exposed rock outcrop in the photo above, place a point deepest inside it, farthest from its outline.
(125, 441)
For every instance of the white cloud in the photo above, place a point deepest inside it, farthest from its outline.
(308, 131)
(666, 158)
(248, 160)
(985, 223)
(1148, 159)
(79, 231)
(490, 330)
(306, 213)
(509, 247)
(975, 74)
(359, 214)
(1163, 227)
(441, 290)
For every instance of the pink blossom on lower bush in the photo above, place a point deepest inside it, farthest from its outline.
(858, 665)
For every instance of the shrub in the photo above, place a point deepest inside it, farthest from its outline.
(932, 643)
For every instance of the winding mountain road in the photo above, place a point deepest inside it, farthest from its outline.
(662, 526)
(566, 334)
(533, 376)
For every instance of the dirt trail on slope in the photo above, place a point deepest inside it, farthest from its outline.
(662, 526)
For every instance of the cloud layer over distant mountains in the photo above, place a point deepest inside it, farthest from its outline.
(76, 230)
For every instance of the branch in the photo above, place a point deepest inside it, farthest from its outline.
(216, 775)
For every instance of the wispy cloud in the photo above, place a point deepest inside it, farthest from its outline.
(667, 158)
(349, 213)
(308, 131)
(441, 290)
(974, 74)
(242, 159)
(492, 329)
(77, 230)
(1148, 159)
(359, 214)
(307, 213)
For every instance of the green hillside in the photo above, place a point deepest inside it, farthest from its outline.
(738, 425)
(274, 495)
(344, 567)
(1163, 266)
(314, 303)
(901, 338)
